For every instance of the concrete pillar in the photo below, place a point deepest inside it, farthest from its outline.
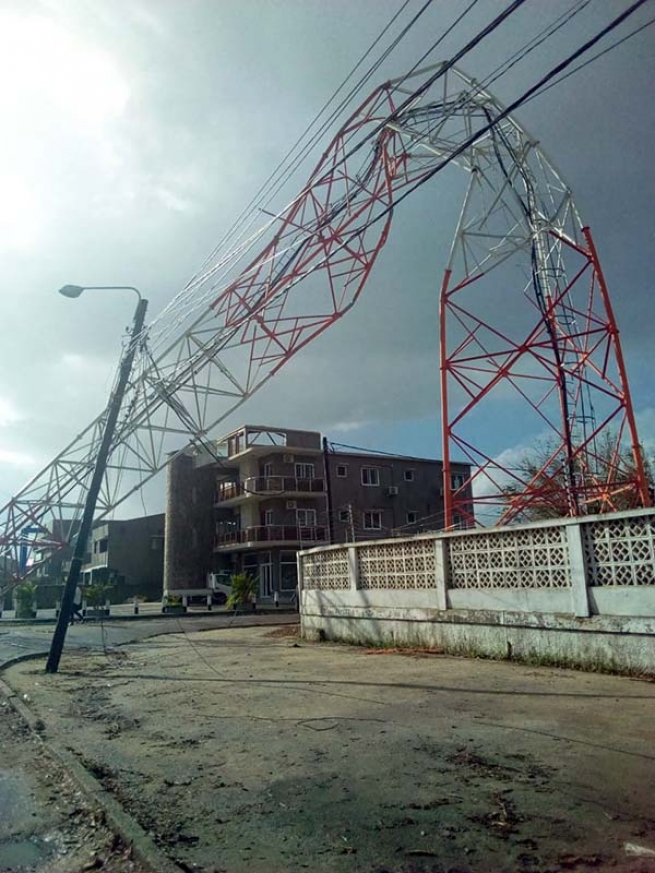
(178, 553)
(441, 571)
(578, 571)
(352, 567)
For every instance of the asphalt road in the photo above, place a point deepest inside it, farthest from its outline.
(21, 640)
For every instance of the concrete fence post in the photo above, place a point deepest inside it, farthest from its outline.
(578, 571)
(352, 568)
(441, 571)
(299, 562)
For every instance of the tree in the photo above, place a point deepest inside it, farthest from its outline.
(603, 481)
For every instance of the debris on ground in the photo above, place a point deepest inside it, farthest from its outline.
(236, 752)
(47, 825)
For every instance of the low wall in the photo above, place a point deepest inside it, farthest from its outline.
(571, 592)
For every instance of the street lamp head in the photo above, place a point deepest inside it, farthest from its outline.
(76, 290)
(71, 290)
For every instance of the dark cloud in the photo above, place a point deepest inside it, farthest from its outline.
(218, 92)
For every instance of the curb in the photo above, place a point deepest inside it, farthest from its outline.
(19, 659)
(152, 616)
(132, 834)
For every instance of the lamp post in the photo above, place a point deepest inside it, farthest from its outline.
(113, 409)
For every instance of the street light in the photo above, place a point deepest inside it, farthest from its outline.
(113, 409)
(76, 290)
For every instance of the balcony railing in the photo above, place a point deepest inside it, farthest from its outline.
(268, 485)
(272, 533)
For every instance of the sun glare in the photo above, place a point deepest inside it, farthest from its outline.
(53, 88)
(44, 68)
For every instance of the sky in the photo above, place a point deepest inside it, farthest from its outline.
(135, 131)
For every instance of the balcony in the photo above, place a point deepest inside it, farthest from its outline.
(268, 486)
(274, 533)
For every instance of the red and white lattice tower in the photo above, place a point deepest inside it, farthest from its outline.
(527, 329)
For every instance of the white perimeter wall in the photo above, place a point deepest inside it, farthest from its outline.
(532, 588)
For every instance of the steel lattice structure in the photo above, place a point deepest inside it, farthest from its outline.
(552, 342)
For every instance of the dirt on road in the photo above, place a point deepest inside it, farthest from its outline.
(46, 824)
(251, 750)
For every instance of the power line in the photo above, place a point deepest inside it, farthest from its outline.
(262, 193)
(262, 189)
(537, 40)
(476, 40)
(473, 43)
(594, 58)
(471, 140)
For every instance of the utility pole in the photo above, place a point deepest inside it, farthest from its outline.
(351, 522)
(113, 410)
(328, 490)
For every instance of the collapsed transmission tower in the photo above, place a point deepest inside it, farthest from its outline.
(526, 326)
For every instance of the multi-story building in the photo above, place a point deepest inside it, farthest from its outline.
(268, 492)
(128, 555)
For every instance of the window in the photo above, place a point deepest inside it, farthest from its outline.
(102, 545)
(411, 517)
(409, 475)
(342, 471)
(373, 520)
(306, 517)
(370, 475)
(288, 571)
(457, 481)
(268, 470)
(268, 517)
(304, 471)
(266, 575)
(251, 564)
(344, 515)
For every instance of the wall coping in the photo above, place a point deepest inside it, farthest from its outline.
(533, 525)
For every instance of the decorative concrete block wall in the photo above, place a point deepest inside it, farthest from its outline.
(590, 576)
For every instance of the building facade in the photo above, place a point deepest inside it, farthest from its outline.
(268, 492)
(127, 555)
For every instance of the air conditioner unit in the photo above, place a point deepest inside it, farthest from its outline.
(287, 459)
(392, 491)
(292, 504)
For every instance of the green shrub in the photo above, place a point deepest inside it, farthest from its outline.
(25, 594)
(244, 590)
(172, 600)
(96, 594)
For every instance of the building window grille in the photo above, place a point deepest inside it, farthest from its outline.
(373, 520)
(342, 471)
(370, 475)
(306, 517)
(304, 471)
